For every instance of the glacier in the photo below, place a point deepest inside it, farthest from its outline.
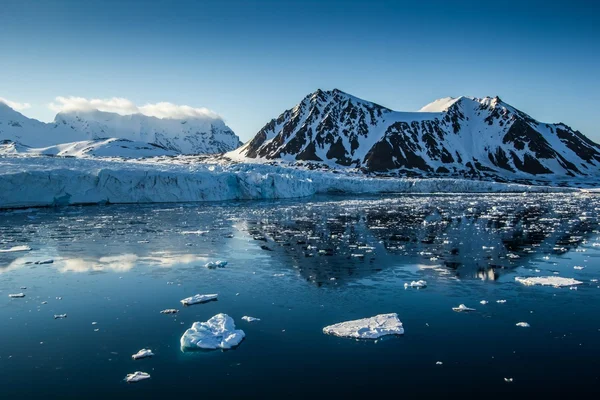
(38, 181)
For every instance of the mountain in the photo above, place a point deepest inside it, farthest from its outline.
(122, 148)
(185, 136)
(464, 136)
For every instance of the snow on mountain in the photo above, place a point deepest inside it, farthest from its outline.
(464, 136)
(186, 136)
(113, 147)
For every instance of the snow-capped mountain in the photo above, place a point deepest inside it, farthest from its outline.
(479, 137)
(185, 136)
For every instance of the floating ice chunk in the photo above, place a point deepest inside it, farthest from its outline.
(250, 319)
(523, 324)
(438, 363)
(143, 353)
(508, 379)
(217, 333)
(555, 281)
(278, 275)
(60, 316)
(578, 267)
(500, 301)
(367, 328)
(169, 311)
(16, 248)
(461, 308)
(16, 295)
(199, 298)
(573, 288)
(416, 284)
(137, 376)
(484, 302)
(215, 264)
(193, 232)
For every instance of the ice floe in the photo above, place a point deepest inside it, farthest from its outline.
(555, 281)
(217, 333)
(16, 295)
(137, 376)
(367, 328)
(523, 324)
(250, 319)
(484, 302)
(169, 311)
(60, 316)
(143, 353)
(199, 298)
(215, 264)
(461, 308)
(15, 249)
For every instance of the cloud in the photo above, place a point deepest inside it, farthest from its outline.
(15, 105)
(123, 106)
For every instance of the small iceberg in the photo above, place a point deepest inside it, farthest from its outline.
(215, 264)
(217, 333)
(523, 324)
(60, 316)
(199, 298)
(500, 301)
(250, 319)
(484, 302)
(461, 308)
(555, 281)
(367, 328)
(16, 295)
(16, 248)
(416, 284)
(143, 353)
(169, 311)
(137, 376)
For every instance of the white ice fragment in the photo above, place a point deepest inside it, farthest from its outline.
(60, 316)
(367, 328)
(416, 284)
(217, 333)
(500, 301)
(277, 275)
(523, 324)
(169, 311)
(438, 363)
(193, 232)
(16, 248)
(16, 295)
(508, 379)
(555, 281)
(573, 288)
(215, 264)
(137, 376)
(461, 308)
(250, 319)
(484, 302)
(199, 298)
(143, 353)
(578, 267)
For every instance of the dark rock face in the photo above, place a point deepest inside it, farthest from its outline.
(463, 137)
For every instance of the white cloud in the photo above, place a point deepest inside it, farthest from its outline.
(123, 106)
(15, 105)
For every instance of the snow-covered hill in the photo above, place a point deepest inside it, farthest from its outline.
(185, 136)
(121, 148)
(471, 137)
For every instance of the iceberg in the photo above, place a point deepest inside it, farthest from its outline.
(416, 284)
(367, 328)
(198, 298)
(15, 249)
(136, 377)
(217, 333)
(60, 316)
(143, 353)
(169, 311)
(16, 295)
(250, 319)
(523, 324)
(462, 308)
(555, 281)
(215, 264)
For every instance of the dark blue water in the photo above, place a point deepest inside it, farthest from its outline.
(341, 259)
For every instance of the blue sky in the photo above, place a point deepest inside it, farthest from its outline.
(249, 61)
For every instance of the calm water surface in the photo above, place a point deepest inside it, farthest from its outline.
(299, 266)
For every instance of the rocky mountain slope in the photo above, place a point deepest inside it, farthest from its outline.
(464, 136)
(184, 136)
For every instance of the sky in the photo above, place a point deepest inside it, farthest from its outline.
(248, 61)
